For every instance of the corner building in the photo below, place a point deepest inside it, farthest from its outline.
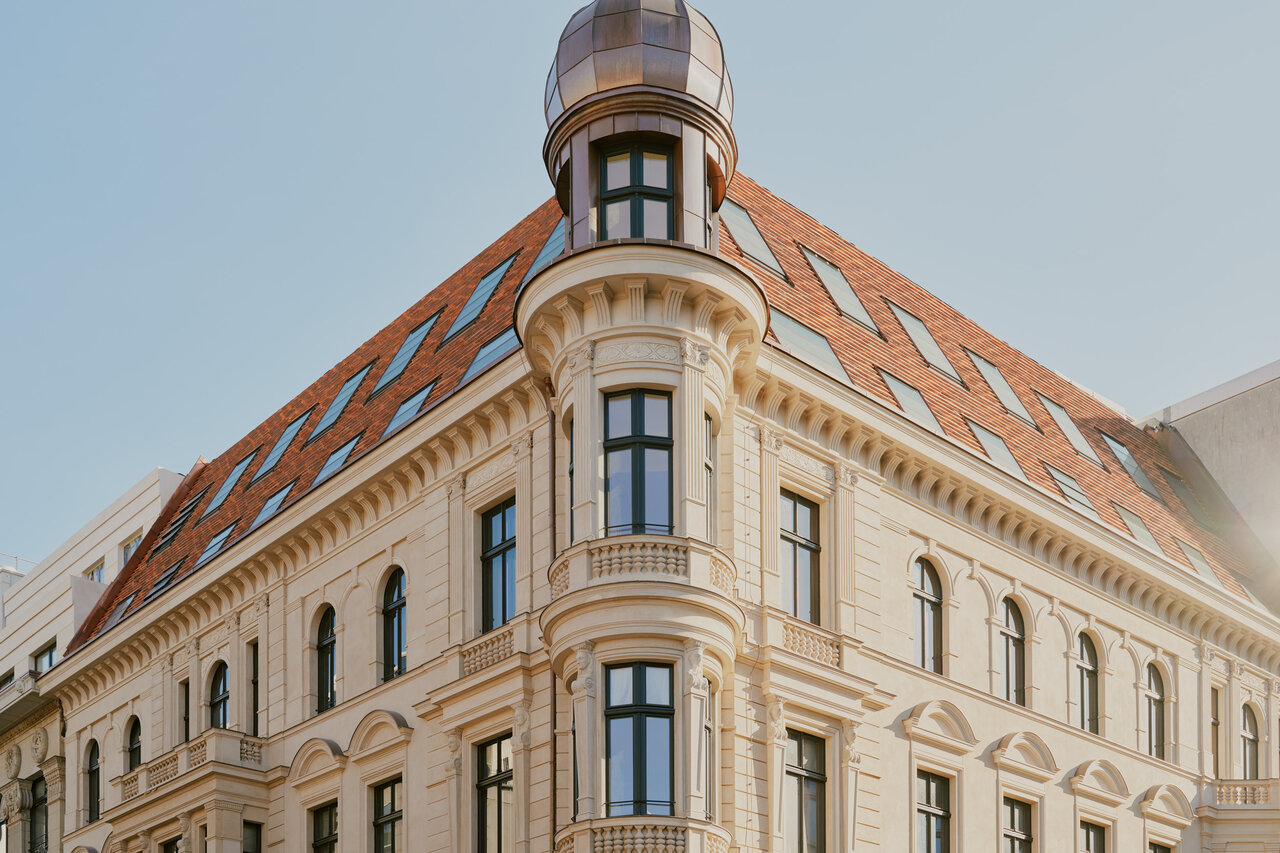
(674, 523)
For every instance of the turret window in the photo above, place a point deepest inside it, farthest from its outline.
(636, 193)
(637, 462)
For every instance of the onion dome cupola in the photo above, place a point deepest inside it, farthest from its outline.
(639, 108)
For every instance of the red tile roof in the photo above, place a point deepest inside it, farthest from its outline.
(803, 297)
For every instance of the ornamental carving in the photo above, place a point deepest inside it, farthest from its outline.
(12, 761)
(584, 684)
(849, 730)
(232, 625)
(614, 353)
(260, 605)
(770, 439)
(39, 745)
(502, 463)
(193, 648)
(808, 464)
(777, 719)
(456, 487)
(455, 750)
(693, 353)
(846, 475)
(522, 727)
(694, 653)
(582, 356)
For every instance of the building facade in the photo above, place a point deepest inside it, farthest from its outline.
(675, 523)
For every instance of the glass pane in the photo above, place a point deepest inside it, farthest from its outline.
(618, 416)
(504, 754)
(813, 756)
(617, 472)
(509, 608)
(617, 171)
(787, 570)
(617, 219)
(791, 813)
(491, 809)
(804, 585)
(657, 489)
(657, 419)
(621, 766)
(508, 815)
(812, 816)
(793, 751)
(655, 170)
(657, 685)
(657, 215)
(658, 764)
(509, 522)
(804, 520)
(620, 686)
(787, 513)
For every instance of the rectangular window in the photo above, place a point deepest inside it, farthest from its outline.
(841, 291)
(639, 716)
(215, 544)
(184, 703)
(1154, 847)
(807, 345)
(282, 444)
(570, 475)
(1188, 498)
(128, 547)
(408, 410)
(1069, 429)
(494, 797)
(1215, 727)
(498, 565)
(1000, 387)
(336, 460)
(1137, 527)
(924, 341)
(254, 701)
(479, 298)
(405, 354)
(709, 753)
(273, 504)
(709, 474)
(340, 400)
(804, 794)
(636, 194)
(1017, 826)
(798, 550)
(1073, 493)
(388, 812)
(637, 462)
(6, 680)
(250, 837)
(747, 236)
(1130, 464)
(997, 450)
(933, 813)
(44, 659)
(1093, 838)
(324, 828)
(229, 484)
(491, 353)
(96, 573)
(171, 846)
(912, 402)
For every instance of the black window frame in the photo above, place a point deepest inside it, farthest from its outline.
(254, 696)
(1093, 837)
(133, 745)
(328, 842)
(1017, 833)
(501, 555)
(1154, 701)
(184, 697)
(326, 660)
(639, 710)
(1250, 737)
(569, 471)
(934, 808)
(790, 537)
(1013, 638)
(637, 441)
(93, 782)
(928, 616)
(637, 192)
(486, 782)
(388, 815)
(810, 786)
(38, 816)
(1088, 668)
(250, 837)
(394, 629)
(220, 697)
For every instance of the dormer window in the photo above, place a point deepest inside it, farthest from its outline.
(636, 193)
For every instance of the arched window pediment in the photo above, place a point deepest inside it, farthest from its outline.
(940, 723)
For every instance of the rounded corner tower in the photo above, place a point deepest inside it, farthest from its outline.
(639, 109)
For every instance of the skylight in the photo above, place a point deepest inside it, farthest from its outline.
(1188, 498)
(492, 353)
(228, 484)
(215, 544)
(840, 289)
(1069, 429)
(912, 402)
(1073, 493)
(336, 460)
(996, 449)
(282, 444)
(1137, 527)
(1199, 562)
(806, 344)
(1131, 465)
(919, 334)
(405, 354)
(552, 249)
(179, 519)
(272, 506)
(1003, 390)
(164, 581)
(408, 410)
(479, 297)
(339, 403)
(119, 611)
(748, 237)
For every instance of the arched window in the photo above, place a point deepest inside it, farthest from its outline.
(133, 757)
(393, 629)
(1249, 744)
(93, 782)
(1155, 712)
(1013, 636)
(326, 662)
(928, 601)
(219, 697)
(1087, 666)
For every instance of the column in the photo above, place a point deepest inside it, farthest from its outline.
(16, 799)
(522, 450)
(54, 771)
(237, 675)
(520, 742)
(460, 594)
(844, 530)
(770, 582)
(690, 441)
(588, 450)
(849, 779)
(776, 732)
(224, 826)
(585, 712)
(453, 771)
(694, 708)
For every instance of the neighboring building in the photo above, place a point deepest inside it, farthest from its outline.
(673, 522)
(39, 613)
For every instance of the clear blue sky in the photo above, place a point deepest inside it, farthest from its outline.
(203, 206)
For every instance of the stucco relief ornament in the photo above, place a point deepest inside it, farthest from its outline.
(693, 658)
(39, 745)
(232, 625)
(12, 761)
(585, 682)
(260, 605)
(694, 354)
(455, 750)
(777, 719)
(521, 727)
(456, 487)
(770, 439)
(582, 356)
(852, 758)
(184, 827)
(193, 648)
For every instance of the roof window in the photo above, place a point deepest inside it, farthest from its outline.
(405, 354)
(408, 410)
(920, 336)
(1131, 465)
(1069, 429)
(1137, 527)
(479, 297)
(215, 544)
(1188, 498)
(339, 403)
(1199, 562)
(748, 237)
(806, 344)
(119, 611)
(336, 460)
(1001, 387)
(272, 506)
(912, 402)
(164, 581)
(1073, 493)
(491, 353)
(282, 444)
(840, 289)
(228, 484)
(996, 449)
(180, 518)
(552, 249)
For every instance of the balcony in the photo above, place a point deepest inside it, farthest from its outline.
(1243, 793)
(217, 750)
(19, 699)
(641, 835)
(668, 559)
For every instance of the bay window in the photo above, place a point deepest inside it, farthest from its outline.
(637, 462)
(639, 718)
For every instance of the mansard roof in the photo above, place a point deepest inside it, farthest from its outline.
(179, 543)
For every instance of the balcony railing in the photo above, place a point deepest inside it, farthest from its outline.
(222, 746)
(1246, 792)
(643, 558)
